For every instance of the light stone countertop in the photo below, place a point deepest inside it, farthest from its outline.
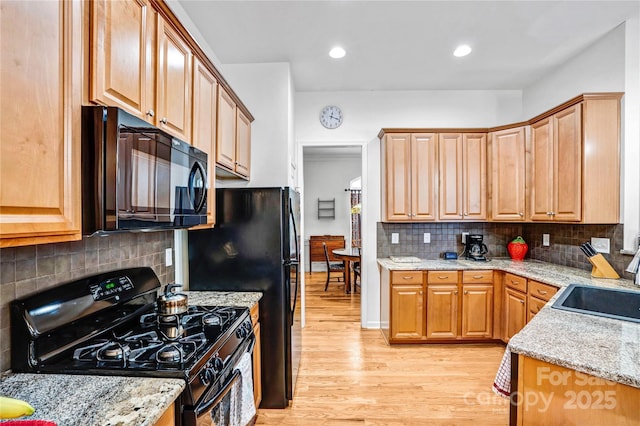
(71, 400)
(84, 400)
(599, 346)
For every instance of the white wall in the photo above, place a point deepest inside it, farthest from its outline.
(326, 178)
(598, 68)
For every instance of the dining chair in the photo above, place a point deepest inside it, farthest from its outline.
(356, 275)
(332, 267)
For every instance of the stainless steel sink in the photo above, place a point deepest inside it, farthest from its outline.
(618, 304)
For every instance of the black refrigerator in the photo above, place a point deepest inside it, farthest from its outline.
(255, 246)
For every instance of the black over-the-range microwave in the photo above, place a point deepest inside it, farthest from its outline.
(136, 177)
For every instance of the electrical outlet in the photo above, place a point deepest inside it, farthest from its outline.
(168, 257)
(395, 238)
(464, 237)
(426, 238)
(602, 245)
(545, 240)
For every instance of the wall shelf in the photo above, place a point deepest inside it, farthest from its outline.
(326, 209)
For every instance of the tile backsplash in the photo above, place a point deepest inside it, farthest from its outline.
(26, 270)
(564, 248)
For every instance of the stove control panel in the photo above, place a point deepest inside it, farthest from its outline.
(110, 288)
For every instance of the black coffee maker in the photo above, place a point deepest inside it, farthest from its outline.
(474, 248)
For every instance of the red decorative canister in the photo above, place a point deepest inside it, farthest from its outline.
(517, 248)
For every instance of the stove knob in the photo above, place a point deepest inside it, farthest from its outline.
(241, 333)
(218, 365)
(207, 375)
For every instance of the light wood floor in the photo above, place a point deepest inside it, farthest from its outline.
(350, 376)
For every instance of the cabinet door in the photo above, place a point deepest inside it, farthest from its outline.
(243, 144)
(515, 306)
(407, 312)
(474, 176)
(174, 83)
(122, 45)
(542, 170)
(450, 174)
(508, 174)
(40, 98)
(257, 370)
(397, 154)
(424, 167)
(226, 133)
(477, 311)
(567, 194)
(205, 96)
(442, 311)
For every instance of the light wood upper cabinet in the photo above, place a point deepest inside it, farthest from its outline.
(243, 144)
(40, 98)
(556, 160)
(122, 56)
(410, 176)
(226, 132)
(205, 97)
(174, 83)
(508, 174)
(463, 176)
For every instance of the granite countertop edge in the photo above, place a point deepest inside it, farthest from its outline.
(602, 347)
(71, 400)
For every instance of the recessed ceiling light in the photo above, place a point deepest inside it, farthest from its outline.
(337, 52)
(462, 50)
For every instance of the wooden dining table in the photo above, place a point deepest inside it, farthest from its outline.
(348, 255)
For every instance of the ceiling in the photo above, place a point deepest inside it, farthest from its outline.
(406, 45)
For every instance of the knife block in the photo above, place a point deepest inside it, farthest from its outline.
(602, 268)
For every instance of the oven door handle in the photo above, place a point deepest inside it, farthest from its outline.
(220, 395)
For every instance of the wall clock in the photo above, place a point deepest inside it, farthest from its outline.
(331, 117)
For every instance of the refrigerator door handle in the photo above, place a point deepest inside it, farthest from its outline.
(295, 231)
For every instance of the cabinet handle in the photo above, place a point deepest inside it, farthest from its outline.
(521, 301)
(455, 292)
(151, 113)
(542, 292)
(406, 278)
(521, 214)
(477, 277)
(514, 282)
(466, 292)
(442, 277)
(163, 120)
(420, 292)
(549, 213)
(553, 213)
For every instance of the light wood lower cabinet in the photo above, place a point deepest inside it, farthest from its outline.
(407, 312)
(40, 106)
(515, 312)
(477, 311)
(168, 418)
(257, 357)
(446, 306)
(442, 311)
(554, 395)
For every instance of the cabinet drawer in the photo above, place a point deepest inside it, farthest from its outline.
(442, 277)
(485, 277)
(541, 290)
(535, 305)
(406, 277)
(515, 282)
(255, 314)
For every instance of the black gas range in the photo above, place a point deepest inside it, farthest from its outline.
(108, 324)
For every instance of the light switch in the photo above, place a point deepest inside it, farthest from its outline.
(545, 240)
(395, 238)
(168, 254)
(426, 237)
